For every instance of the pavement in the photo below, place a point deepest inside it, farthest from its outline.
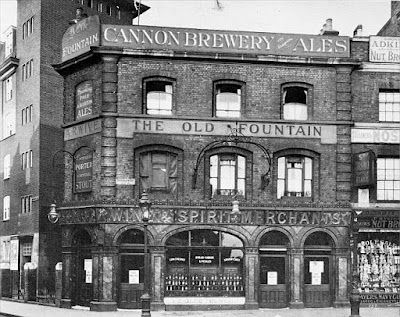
(13, 309)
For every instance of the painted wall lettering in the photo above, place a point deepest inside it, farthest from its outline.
(83, 171)
(83, 100)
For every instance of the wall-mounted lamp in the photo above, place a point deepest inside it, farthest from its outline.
(53, 215)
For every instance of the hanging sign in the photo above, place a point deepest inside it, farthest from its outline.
(363, 166)
(14, 251)
(272, 278)
(133, 276)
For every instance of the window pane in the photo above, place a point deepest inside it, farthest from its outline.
(229, 240)
(241, 187)
(280, 188)
(214, 166)
(241, 167)
(308, 168)
(281, 167)
(294, 180)
(295, 111)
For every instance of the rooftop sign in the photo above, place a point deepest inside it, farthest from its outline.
(178, 39)
(384, 49)
(80, 37)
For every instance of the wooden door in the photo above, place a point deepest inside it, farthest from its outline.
(273, 289)
(317, 281)
(83, 279)
(131, 280)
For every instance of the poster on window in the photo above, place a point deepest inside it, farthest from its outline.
(316, 266)
(87, 265)
(316, 278)
(272, 278)
(14, 251)
(84, 100)
(88, 277)
(83, 171)
(133, 277)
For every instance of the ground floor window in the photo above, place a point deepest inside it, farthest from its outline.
(204, 263)
(379, 262)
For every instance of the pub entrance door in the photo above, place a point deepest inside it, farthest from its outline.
(131, 272)
(274, 273)
(318, 270)
(83, 287)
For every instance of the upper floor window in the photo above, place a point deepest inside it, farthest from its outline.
(228, 99)
(389, 106)
(26, 115)
(295, 176)
(6, 208)
(9, 88)
(99, 7)
(158, 97)
(108, 10)
(388, 179)
(27, 70)
(26, 204)
(27, 28)
(228, 174)
(89, 3)
(295, 103)
(6, 166)
(9, 123)
(27, 159)
(159, 171)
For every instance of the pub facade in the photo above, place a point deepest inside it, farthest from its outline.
(241, 141)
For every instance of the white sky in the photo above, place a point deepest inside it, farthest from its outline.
(275, 16)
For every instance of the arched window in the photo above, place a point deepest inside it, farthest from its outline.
(296, 101)
(297, 173)
(160, 168)
(158, 96)
(228, 170)
(228, 99)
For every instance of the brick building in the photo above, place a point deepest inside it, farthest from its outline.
(31, 109)
(242, 142)
(376, 155)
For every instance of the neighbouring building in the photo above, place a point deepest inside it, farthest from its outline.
(375, 140)
(242, 141)
(31, 112)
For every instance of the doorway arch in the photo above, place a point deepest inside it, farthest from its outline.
(82, 274)
(274, 270)
(319, 275)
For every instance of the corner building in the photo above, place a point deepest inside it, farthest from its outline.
(31, 111)
(242, 143)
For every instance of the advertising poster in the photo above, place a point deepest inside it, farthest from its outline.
(272, 278)
(133, 276)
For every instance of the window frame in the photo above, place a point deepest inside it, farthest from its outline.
(164, 149)
(315, 172)
(6, 208)
(8, 83)
(248, 178)
(394, 104)
(309, 98)
(240, 84)
(7, 166)
(160, 79)
(387, 180)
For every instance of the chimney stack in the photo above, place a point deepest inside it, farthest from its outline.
(358, 31)
(327, 28)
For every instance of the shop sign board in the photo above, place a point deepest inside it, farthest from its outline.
(272, 278)
(83, 172)
(82, 129)
(383, 49)
(14, 254)
(363, 166)
(207, 216)
(83, 100)
(380, 297)
(204, 259)
(133, 277)
(129, 127)
(138, 37)
(80, 37)
(379, 222)
(375, 135)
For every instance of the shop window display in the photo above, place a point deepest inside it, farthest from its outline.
(379, 265)
(204, 263)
